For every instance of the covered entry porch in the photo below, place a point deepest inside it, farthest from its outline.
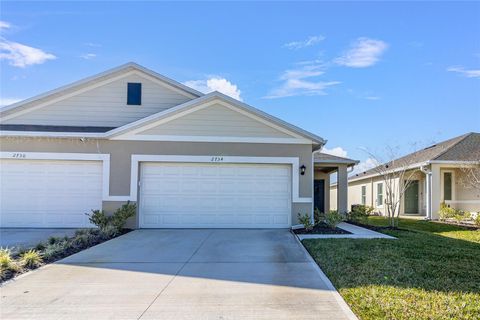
(325, 166)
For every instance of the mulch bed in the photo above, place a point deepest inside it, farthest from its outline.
(469, 226)
(69, 250)
(321, 228)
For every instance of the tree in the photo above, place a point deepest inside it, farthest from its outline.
(396, 174)
(471, 176)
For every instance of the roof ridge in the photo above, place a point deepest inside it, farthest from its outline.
(462, 137)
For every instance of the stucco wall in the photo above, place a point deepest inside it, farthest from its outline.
(355, 192)
(121, 151)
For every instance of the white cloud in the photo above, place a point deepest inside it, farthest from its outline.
(4, 25)
(216, 83)
(294, 83)
(8, 101)
(88, 56)
(364, 52)
(310, 41)
(372, 98)
(20, 55)
(469, 73)
(92, 44)
(365, 165)
(304, 72)
(337, 151)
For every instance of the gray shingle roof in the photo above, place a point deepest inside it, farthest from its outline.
(319, 157)
(462, 148)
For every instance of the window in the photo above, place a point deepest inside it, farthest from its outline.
(364, 195)
(379, 194)
(447, 186)
(134, 94)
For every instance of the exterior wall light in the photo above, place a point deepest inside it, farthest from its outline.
(302, 169)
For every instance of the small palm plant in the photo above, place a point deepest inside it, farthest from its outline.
(31, 259)
(7, 263)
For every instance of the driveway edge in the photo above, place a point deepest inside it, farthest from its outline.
(343, 305)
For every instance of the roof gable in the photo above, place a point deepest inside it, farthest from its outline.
(216, 120)
(214, 108)
(90, 83)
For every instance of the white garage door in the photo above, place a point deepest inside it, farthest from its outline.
(197, 195)
(48, 193)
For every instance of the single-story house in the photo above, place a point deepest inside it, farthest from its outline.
(440, 173)
(187, 159)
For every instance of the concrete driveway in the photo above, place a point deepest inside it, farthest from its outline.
(179, 274)
(26, 237)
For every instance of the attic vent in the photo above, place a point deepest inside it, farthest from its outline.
(430, 147)
(134, 94)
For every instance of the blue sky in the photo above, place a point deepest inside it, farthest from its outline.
(361, 75)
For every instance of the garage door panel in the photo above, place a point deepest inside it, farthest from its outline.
(49, 193)
(189, 195)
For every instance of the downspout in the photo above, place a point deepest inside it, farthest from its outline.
(428, 196)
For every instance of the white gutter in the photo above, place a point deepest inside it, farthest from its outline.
(428, 196)
(36, 134)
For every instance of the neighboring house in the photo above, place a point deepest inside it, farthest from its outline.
(439, 174)
(187, 159)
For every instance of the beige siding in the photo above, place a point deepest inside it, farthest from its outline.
(333, 198)
(466, 196)
(105, 105)
(216, 120)
(355, 193)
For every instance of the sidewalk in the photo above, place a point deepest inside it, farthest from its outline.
(356, 233)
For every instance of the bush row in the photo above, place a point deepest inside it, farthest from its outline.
(55, 248)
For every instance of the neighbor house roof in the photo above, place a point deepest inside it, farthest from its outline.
(464, 148)
(319, 157)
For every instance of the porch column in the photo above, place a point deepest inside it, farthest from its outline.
(342, 189)
(436, 191)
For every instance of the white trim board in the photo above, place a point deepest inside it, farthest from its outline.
(105, 158)
(293, 161)
(462, 201)
(148, 137)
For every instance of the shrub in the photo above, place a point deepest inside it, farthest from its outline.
(333, 218)
(305, 219)
(113, 225)
(31, 259)
(84, 240)
(446, 212)
(56, 250)
(7, 263)
(318, 216)
(40, 246)
(359, 213)
(99, 218)
(476, 220)
(121, 215)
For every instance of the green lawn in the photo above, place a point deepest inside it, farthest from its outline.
(432, 271)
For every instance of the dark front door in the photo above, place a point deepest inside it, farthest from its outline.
(319, 195)
(411, 197)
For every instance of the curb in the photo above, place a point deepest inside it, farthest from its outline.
(343, 305)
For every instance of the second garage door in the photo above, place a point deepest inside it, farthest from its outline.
(204, 195)
(49, 193)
